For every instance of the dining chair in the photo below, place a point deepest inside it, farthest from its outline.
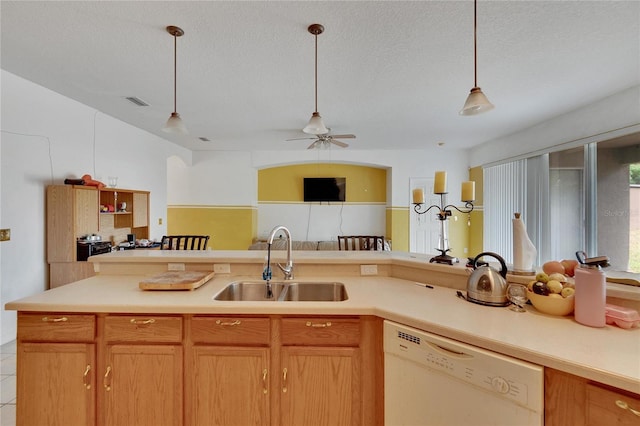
(360, 242)
(184, 242)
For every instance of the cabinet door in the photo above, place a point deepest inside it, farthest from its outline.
(612, 408)
(86, 211)
(320, 386)
(140, 209)
(55, 384)
(228, 386)
(142, 385)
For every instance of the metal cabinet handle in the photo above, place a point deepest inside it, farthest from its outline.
(318, 325)
(148, 321)
(106, 385)
(625, 406)
(86, 378)
(284, 380)
(59, 319)
(264, 381)
(228, 323)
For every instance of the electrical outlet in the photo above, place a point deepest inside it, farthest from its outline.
(5, 234)
(159, 221)
(175, 266)
(368, 269)
(221, 268)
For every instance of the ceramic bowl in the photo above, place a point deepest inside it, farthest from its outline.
(552, 305)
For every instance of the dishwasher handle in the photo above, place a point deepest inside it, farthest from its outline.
(450, 352)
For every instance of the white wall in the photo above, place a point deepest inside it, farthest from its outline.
(613, 116)
(46, 138)
(230, 178)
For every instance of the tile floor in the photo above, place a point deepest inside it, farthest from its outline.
(8, 384)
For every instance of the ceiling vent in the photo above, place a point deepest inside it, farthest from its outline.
(137, 101)
(203, 139)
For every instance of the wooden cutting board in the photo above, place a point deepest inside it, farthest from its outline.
(176, 280)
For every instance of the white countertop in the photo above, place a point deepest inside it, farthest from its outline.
(609, 355)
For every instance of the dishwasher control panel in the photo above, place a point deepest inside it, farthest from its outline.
(518, 381)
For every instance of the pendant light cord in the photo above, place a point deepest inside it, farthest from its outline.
(316, 71)
(475, 49)
(175, 73)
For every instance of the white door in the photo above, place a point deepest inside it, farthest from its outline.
(424, 229)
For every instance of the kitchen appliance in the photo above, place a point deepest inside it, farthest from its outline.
(87, 248)
(431, 380)
(486, 285)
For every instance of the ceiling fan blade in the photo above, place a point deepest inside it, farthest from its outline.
(298, 139)
(339, 143)
(313, 144)
(344, 136)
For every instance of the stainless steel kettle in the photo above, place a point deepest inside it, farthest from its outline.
(487, 286)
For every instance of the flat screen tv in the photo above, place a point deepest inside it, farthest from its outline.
(325, 189)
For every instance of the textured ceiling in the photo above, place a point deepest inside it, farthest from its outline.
(393, 73)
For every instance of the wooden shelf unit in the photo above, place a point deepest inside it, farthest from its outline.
(74, 211)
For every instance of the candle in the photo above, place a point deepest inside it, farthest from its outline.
(468, 191)
(418, 196)
(440, 184)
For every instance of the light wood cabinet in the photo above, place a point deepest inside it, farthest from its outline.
(73, 211)
(576, 401)
(611, 407)
(56, 370)
(142, 381)
(229, 386)
(320, 386)
(228, 380)
(320, 368)
(115, 369)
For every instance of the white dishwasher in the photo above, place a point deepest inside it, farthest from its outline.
(434, 381)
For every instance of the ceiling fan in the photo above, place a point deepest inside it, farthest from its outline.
(325, 140)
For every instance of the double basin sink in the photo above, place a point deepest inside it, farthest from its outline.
(283, 291)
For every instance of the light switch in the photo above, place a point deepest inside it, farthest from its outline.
(5, 234)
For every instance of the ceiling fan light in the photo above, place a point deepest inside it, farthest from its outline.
(175, 125)
(476, 103)
(316, 125)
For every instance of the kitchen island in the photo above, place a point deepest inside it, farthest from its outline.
(608, 356)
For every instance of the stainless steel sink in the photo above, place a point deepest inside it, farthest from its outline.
(255, 291)
(249, 291)
(315, 292)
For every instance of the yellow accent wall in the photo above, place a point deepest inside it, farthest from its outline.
(230, 228)
(398, 228)
(285, 183)
(477, 215)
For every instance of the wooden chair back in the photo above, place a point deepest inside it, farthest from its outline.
(360, 242)
(184, 242)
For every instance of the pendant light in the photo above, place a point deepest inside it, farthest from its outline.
(316, 125)
(174, 123)
(477, 102)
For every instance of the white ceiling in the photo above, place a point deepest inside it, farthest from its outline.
(394, 73)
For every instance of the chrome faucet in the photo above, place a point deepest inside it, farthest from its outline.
(287, 269)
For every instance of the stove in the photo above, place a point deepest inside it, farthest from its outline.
(91, 248)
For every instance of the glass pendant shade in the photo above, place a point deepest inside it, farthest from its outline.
(476, 103)
(175, 125)
(316, 125)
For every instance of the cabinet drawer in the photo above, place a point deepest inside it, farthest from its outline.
(56, 327)
(231, 330)
(608, 407)
(321, 331)
(143, 328)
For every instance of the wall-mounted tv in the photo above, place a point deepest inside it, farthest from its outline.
(325, 189)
